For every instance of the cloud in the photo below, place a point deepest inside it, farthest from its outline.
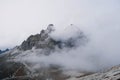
(98, 19)
(19, 19)
(100, 52)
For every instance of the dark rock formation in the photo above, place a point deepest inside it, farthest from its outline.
(0, 51)
(3, 51)
(41, 40)
(10, 69)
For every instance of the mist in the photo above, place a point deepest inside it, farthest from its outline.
(100, 50)
(99, 20)
(19, 19)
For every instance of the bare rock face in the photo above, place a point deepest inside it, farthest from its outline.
(41, 40)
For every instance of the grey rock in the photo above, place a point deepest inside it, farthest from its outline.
(41, 40)
(44, 40)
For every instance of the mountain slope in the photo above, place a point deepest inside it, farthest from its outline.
(3, 51)
(19, 64)
(41, 57)
(111, 74)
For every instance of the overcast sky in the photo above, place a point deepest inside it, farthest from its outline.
(21, 18)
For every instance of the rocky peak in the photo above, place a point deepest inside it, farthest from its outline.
(41, 40)
(44, 40)
(50, 28)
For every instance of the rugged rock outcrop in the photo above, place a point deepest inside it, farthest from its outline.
(41, 40)
(44, 40)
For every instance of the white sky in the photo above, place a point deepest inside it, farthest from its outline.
(21, 18)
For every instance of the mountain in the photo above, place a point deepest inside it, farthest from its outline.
(44, 40)
(3, 51)
(35, 58)
(17, 62)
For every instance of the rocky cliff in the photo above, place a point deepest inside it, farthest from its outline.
(41, 40)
